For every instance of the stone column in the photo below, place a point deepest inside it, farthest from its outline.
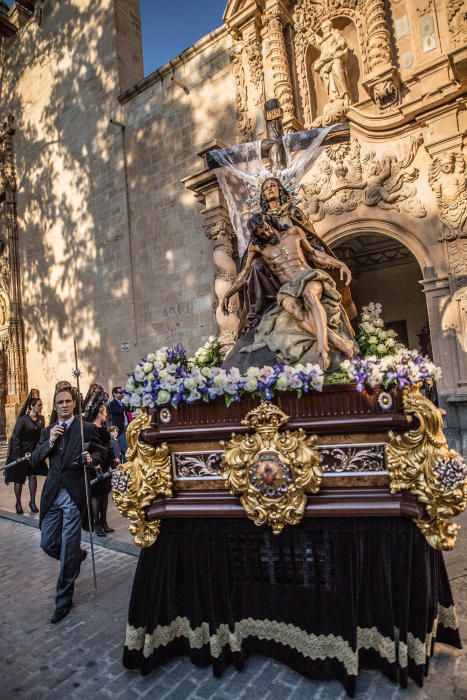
(283, 90)
(14, 348)
(222, 236)
(383, 81)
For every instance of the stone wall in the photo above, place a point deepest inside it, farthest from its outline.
(168, 119)
(61, 84)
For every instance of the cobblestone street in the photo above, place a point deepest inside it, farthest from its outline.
(80, 658)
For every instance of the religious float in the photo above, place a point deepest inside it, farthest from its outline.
(291, 493)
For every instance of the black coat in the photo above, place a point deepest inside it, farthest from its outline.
(65, 467)
(25, 437)
(117, 415)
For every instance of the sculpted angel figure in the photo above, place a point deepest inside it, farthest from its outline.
(448, 181)
(307, 295)
(331, 62)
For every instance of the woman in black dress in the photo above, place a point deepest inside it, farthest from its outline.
(100, 491)
(24, 439)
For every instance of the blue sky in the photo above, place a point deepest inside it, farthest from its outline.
(170, 27)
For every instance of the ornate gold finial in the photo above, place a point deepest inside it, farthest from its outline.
(420, 461)
(135, 484)
(271, 471)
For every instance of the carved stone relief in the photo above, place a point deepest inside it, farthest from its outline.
(255, 64)
(244, 122)
(457, 21)
(222, 237)
(381, 80)
(349, 176)
(448, 180)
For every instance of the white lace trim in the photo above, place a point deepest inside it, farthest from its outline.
(307, 644)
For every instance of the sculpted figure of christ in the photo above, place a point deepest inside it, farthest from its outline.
(288, 254)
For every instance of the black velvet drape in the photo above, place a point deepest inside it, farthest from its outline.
(327, 597)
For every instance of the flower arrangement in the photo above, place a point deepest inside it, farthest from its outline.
(373, 338)
(402, 368)
(168, 376)
(208, 355)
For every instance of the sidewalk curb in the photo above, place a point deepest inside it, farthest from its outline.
(122, 547)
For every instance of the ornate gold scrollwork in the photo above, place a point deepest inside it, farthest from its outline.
(420, 461)
(271, 471)
(145, 475)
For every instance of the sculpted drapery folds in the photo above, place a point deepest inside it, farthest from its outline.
(331, 62)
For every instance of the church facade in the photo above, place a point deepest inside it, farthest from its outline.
(114, 231)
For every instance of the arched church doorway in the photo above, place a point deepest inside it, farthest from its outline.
(385, 271)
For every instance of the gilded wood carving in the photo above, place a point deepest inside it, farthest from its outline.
(146, 475)
(271, 471)
(420, 461)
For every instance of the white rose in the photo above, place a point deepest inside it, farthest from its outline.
(251, 384)
(135, 400)
(148, 367)
(148, 401)
(139, 374)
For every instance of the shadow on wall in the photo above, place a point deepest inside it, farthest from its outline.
(59, 80)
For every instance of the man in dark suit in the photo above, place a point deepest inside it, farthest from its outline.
(63, 500)
(117, 410)
(119, 417)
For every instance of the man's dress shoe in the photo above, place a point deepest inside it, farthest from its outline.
(99, 530)
(60, 613)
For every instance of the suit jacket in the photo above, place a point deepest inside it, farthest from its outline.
(117, 415)
(65, 466)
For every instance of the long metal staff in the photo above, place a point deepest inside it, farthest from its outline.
(77, 374)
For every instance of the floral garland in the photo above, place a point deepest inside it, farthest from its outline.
(167, 376)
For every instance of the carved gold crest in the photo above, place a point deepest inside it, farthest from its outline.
(271, 471)
(136, 483)
(420, 461)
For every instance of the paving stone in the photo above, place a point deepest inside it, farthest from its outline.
(80, 658)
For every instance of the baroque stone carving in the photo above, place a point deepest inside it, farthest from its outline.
(309, 14)
(13, 340)
(330, 65)
(379, 40)
(255, 63)
(279, 62)
(448, 180)
(271, 471)
(241, 96)
(146, 474)
(420, 462)
(457, 21)
(221, 235)
(369, 17)
(348, 176)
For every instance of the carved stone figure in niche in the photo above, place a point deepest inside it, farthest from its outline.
(330, 65)
(448, 181)
(349, 177)
(308, 303)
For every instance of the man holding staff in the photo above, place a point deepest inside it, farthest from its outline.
(63, 501)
